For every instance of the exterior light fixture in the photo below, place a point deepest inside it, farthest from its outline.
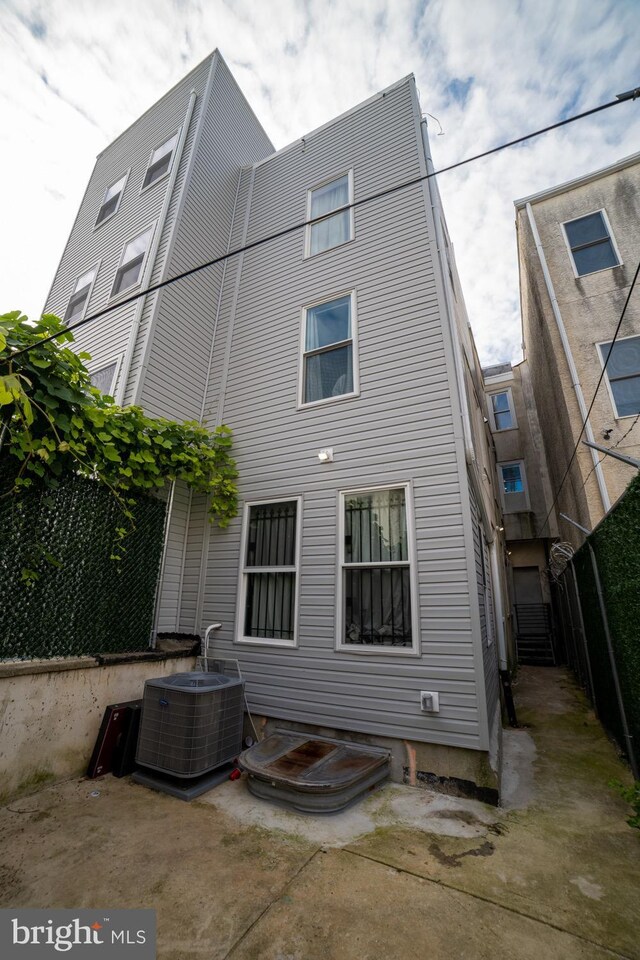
(326, 455)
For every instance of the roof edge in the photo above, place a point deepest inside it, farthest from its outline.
(579, 181)
(341, 116)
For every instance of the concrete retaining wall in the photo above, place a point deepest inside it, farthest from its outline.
(50, 711)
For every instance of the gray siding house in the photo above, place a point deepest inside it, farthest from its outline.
(365, 567)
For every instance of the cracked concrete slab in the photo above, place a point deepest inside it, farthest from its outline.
(407, 873)
(321, 916)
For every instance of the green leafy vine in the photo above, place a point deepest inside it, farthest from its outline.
(54, 422)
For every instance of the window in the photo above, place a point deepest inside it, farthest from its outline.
(104, 378)
(623, 373)
(513, 486)
(132, 261)
(512, 478)
(328, 351)
(327, 202)
(501, 410)
(268, 595)
(591, 244)
(160, 162)
(80, 296)
(376, 607)
(111, 201)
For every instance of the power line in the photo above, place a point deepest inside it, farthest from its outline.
(593, 400)
(620, 98)
(615, 445)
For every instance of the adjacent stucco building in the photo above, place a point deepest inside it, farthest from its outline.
(366, 564)
(578, 252)
(526, 501)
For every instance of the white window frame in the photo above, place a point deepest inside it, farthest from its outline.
(150, 186)
(590, 213)
(512, 411)
(302, 405)
(523, 477)
(143, 265)
(599, 345)
(108, 363)
(97, 225)
(361, 649)
(82, 314)
(243, 572)
(352, 223)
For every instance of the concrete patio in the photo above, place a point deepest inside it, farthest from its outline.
(408, 873)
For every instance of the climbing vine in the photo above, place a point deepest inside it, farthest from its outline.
(53, 422)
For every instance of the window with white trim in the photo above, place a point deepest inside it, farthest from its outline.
(80, 296)
(268, 596)
(328, 350)
(111, 200)
(160, 161)
(375, 560)
(623, 374)
(103, 378)
(591, 243)
(129, 272)
(501, 410)
(513, 486)
(329, 201)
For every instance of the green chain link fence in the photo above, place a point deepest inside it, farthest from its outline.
(83, 603)
(616, 546)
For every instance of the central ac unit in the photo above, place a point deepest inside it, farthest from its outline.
(191, 723)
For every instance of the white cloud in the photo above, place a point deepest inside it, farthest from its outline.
(489, 70)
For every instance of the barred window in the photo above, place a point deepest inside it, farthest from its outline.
(376, 570)
(270, 573)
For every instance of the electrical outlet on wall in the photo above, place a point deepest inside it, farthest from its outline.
(429, 701)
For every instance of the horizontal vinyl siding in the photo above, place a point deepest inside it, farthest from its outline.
(176, 375)
(489, 655)
(399, 429)
(109, 335)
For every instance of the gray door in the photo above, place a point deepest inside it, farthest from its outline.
(526, 585)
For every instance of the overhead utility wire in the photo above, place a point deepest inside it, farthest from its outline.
(620, 98)
(595, 393)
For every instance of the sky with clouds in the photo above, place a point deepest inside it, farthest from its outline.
(74, 73)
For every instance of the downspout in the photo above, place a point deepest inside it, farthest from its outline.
(467, 436)
(165, 543)
(469, 451)
(153, 252)
(575, 381)
(497, 586)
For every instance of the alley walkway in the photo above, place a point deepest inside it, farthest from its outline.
(406, 874)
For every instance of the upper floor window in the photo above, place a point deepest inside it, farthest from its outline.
(328, 351)
(103, 378)
(80, 296)
(501, 411)
(623, 373)
(513, 486)
(591, 244)
(336, 226)
(269, 575)
(111, 201)
(376, 608)
(160, 161)
(132, 262)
